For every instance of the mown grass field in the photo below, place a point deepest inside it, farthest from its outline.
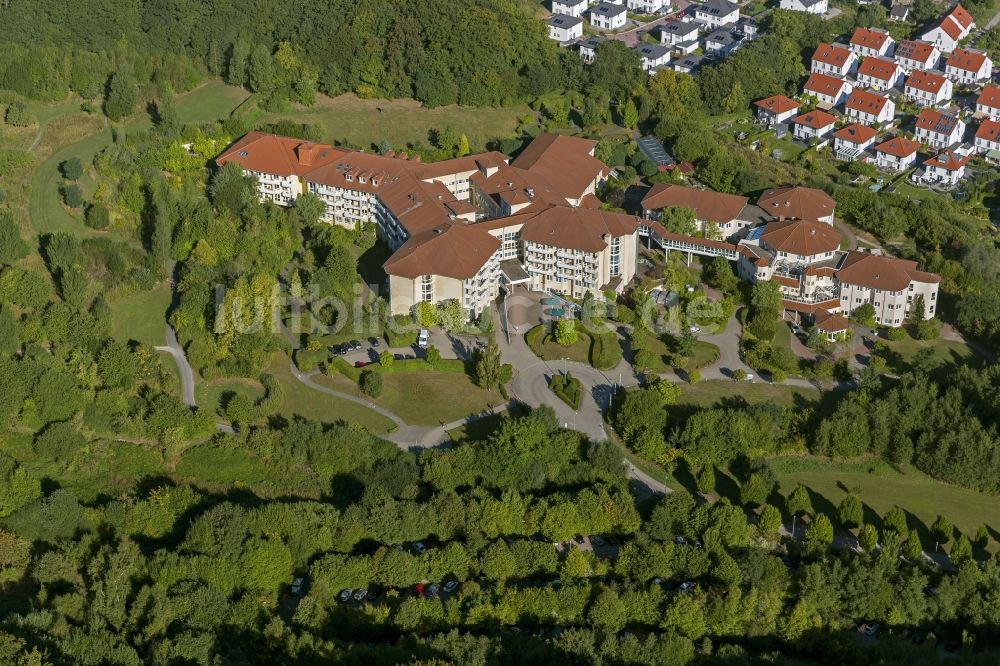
(360, 122)
(141, 316)
(716, 391)
(209, 394)
(881, 487)
(432, 398)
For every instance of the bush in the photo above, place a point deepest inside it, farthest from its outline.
(739, 374)
(929, 329)
(400, 332)
(896, 333)
(97, 216)
(564, 332)
(73, 196)
(72, 168)
(307, 360)
(19, 115)
(568, 388)
(694, 376)
(371, 383)
(605, 352)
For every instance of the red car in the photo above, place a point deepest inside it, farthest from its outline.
(360, 364)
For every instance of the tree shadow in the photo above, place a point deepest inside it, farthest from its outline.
(727, 486)
(685, 476)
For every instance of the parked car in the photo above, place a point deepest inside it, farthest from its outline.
(345, 596)
(686, 586)
(868, 628)
(419, 548)
(297, 585)
(578, 539)
(451, 586)
(360, 595)
(374, 342)
(597, 541)
(432, 591)
(423, 338)
(680, 541)
(355, 345)
(361, 364)
(694, 329)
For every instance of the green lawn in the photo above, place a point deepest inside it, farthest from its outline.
(141, 316)
(709, 393)
(209, 394)
(880, 488)
(402, 121)
(946, 352)
(214, 100)
(547, 349)
(304, 401)
(431, 398)
(703, 353)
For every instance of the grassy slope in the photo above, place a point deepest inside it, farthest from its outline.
(357, 121)
(430, 398)
(141, 316)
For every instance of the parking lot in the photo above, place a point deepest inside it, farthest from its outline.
(367, 351)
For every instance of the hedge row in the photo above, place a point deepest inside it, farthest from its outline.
(568, 388)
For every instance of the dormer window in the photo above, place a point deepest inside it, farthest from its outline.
(349, 177)
(361, 179)
(242, 153)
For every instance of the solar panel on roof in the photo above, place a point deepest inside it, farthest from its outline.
(755, 233)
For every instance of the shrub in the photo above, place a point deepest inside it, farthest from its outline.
(73, 196)
(739, 374)
(97, 216)
(605, 352)
(896, 333)
(72, 168)
(694, 376)
(19, 115)
(929, 329)
(568, 388)
(371, 383)
(564, 332)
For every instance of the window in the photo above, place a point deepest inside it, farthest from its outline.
(427, 288)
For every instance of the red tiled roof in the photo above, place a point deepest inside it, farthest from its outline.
(948, 160)
(831, 323)
(881, 272)
(551, 155)
(935, 121)
(989, 130)
(961, 16)
(832, 55)
(777, 104)
(578, 228)
(878, 68)
(706, 204)
(815, 119)
(969, 61)
(801, 237)
(453, 250)
(856, 133)
(873, 39)
(279, 155)
(926, 81)
(916, 50)
(898, 146)
(990, 96)
(802, 203)
(868, 102)
(824, 84)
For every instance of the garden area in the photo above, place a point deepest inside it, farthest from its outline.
(596, 346)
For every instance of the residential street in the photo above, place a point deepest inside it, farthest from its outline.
(633, 37)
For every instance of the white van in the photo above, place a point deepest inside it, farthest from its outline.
(423, 337)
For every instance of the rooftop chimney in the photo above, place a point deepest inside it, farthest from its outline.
(304, 151)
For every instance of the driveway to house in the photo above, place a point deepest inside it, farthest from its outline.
(633, 37)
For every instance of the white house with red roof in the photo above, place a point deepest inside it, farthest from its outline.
(814, 124)
(928, 88)
(896, 154)
(988, 136)
(869, 108)
(879, 74)
(776, 109)
(891, 285)
(968, 66)
(851, 141)
(914, 55)
(834, 60)
(945, 168)
(829, 91)
(951, 29)
(872, 42)
(939, 129)
(988, 102)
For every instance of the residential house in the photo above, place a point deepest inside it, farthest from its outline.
(867, 42)
(945, 168)
(834, 60)
(673, 33)
(879, 74)
(565, 28)
(648, 6)
(653, 55)
(776, 109)
(818, 7)
(608, 16)
(988, 136)
(829, 91)
(575, 8)
(689, 64)
(588, 48)
(896, 154)
(928, 89)
(814, 124)
(939, 129)
(722, 42)
(717, 214)
(950, 30)
(968, 67)
(850, 142)
(899, 13)
(869, 108)
(747, 26)
(915, 55)
(891, 285)
(798, 203)
(988, 102)
(717, 13)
